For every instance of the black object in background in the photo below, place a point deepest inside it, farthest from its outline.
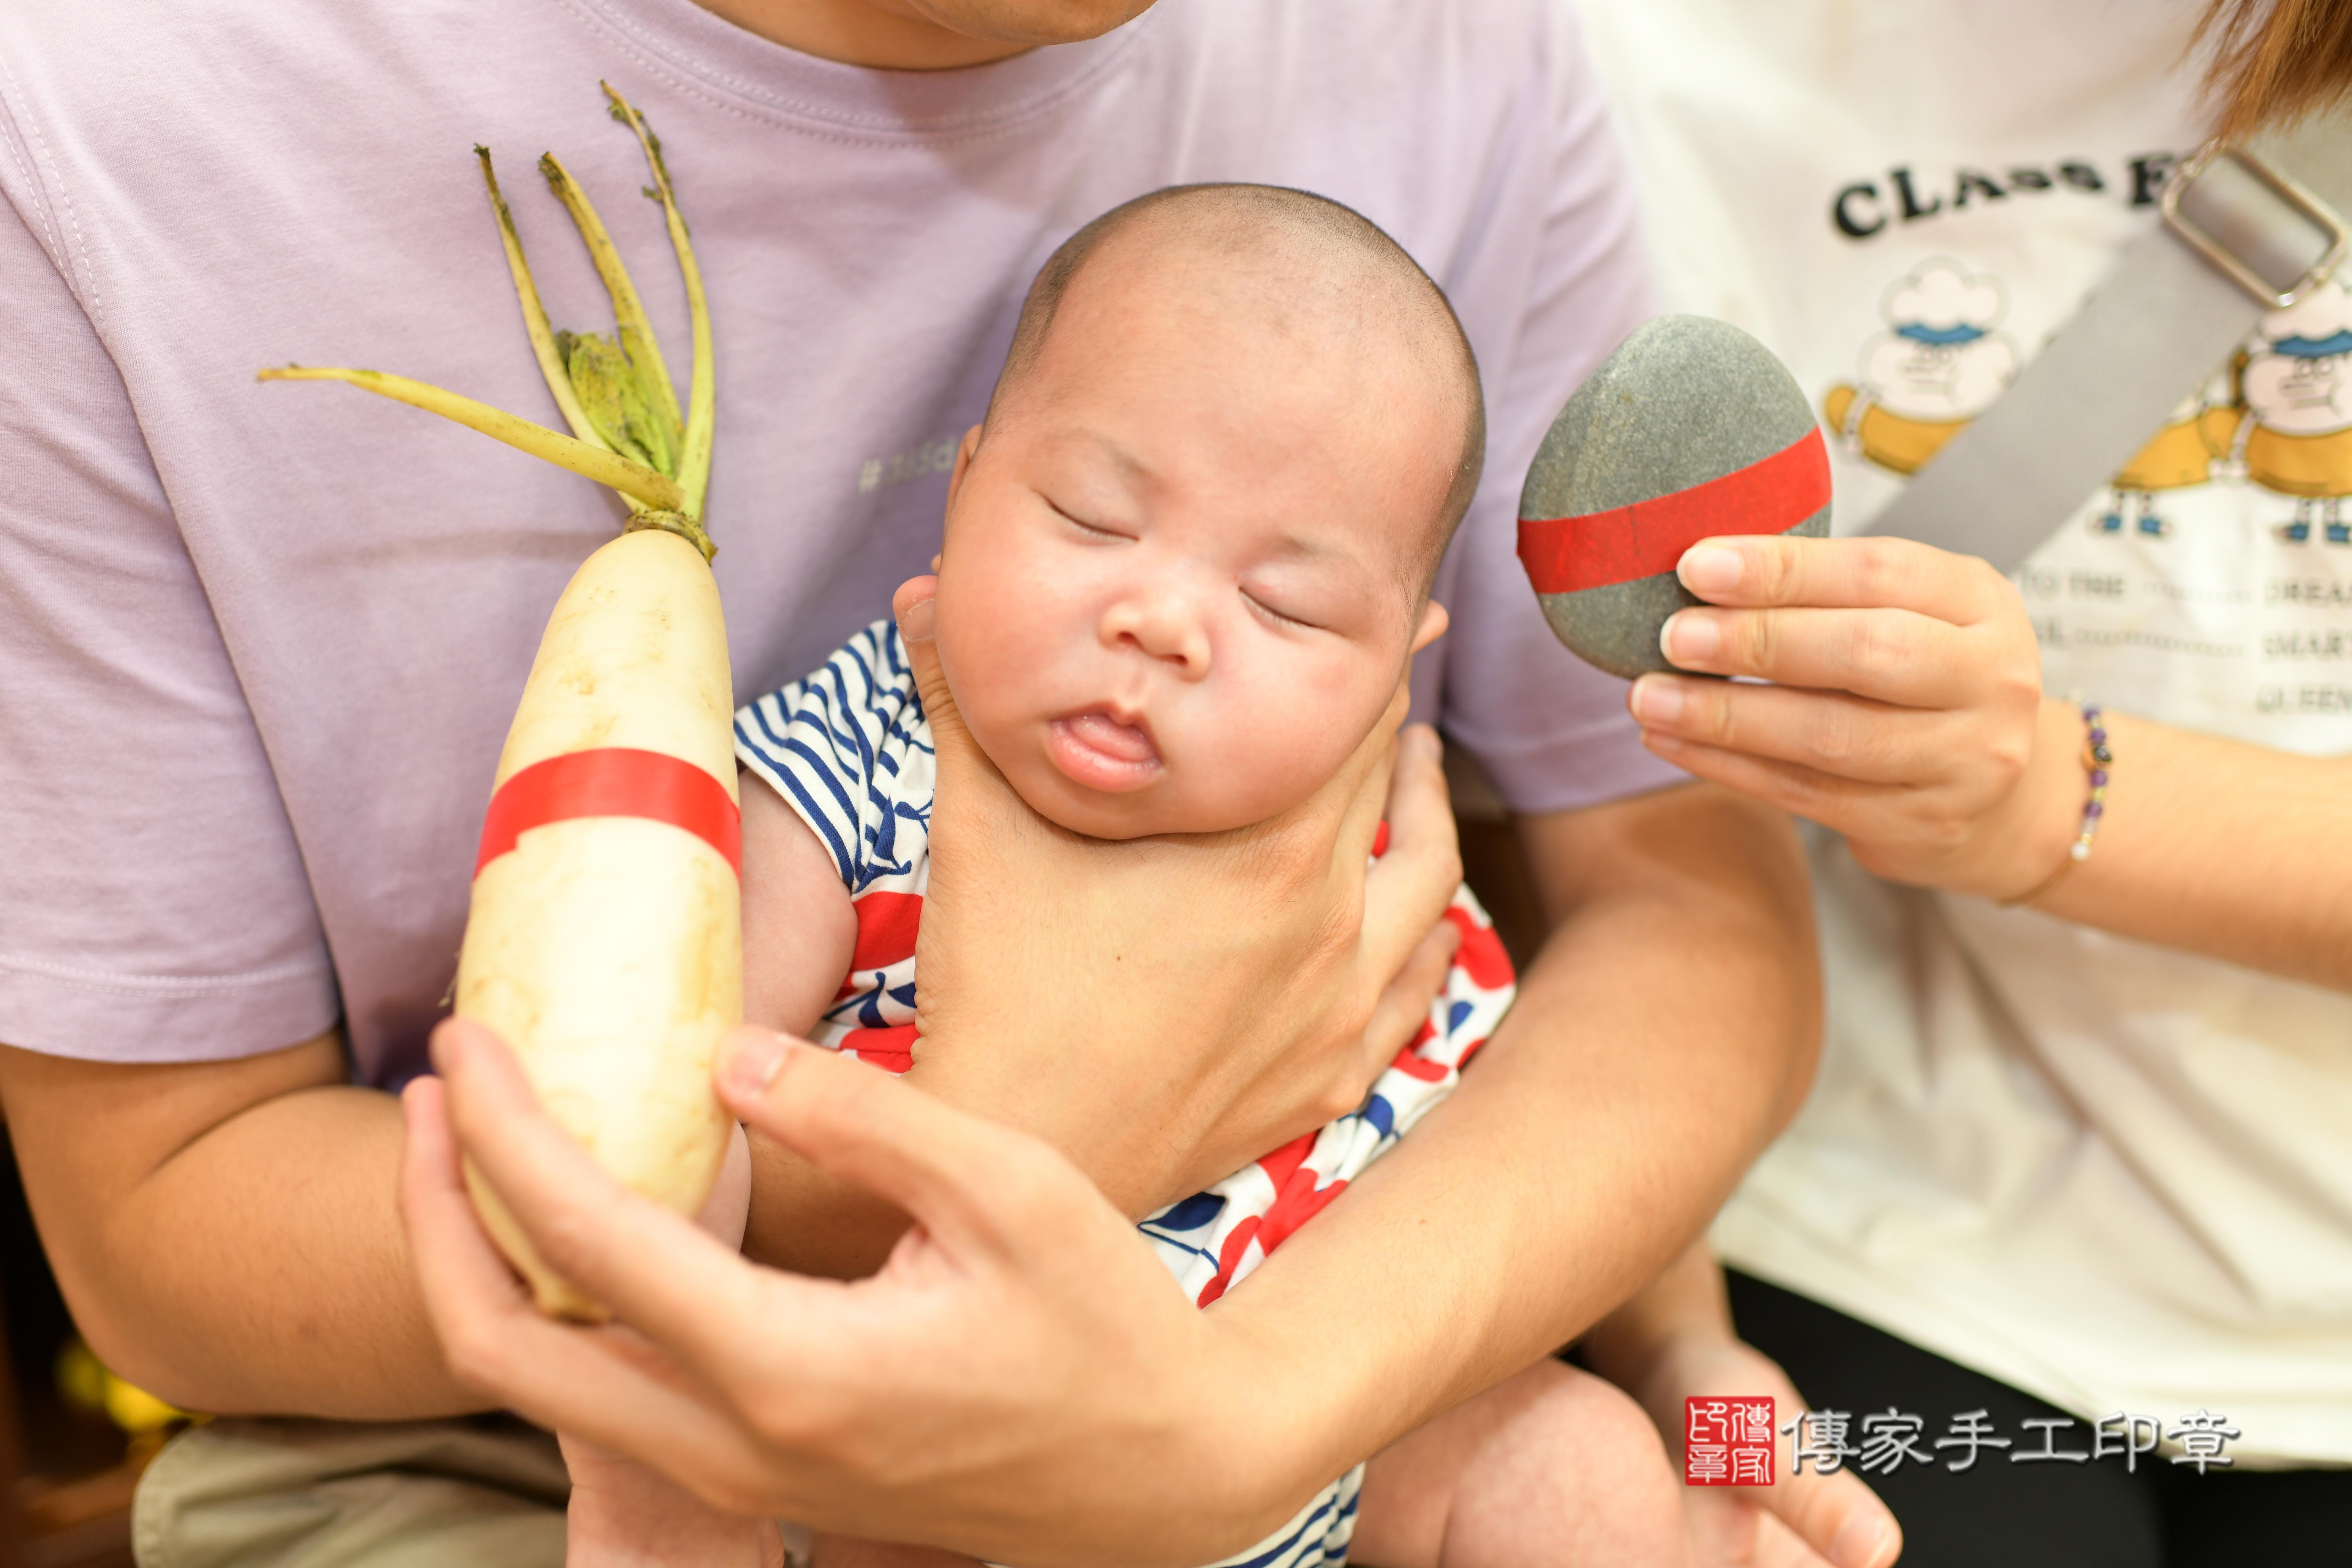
(2092, 1515)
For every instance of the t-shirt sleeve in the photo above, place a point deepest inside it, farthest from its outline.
(153, 905)
(837, 745)
(1551, 731)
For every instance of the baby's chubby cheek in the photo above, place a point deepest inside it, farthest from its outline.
(1275, 740)
(1006, 643)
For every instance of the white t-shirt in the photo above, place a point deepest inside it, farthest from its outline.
(261, 643)
(2118, 1176)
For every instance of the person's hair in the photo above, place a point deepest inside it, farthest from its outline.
(1292, 212)
(2273, 62)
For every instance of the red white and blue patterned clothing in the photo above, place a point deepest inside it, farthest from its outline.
(850, 750)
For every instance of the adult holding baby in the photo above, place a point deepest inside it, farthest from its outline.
(2077, 1147)
(252, 705)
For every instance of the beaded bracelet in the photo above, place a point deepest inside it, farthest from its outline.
(2096, 759)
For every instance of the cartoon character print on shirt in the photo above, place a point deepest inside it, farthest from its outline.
(2295, 384)
(2179, 457)
(2281, 417)
(1938, 363)
(2204, 582)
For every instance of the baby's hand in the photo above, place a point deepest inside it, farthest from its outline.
(627, 1515)
(1675, 1341)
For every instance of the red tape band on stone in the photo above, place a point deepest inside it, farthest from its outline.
(614, 781)
(1771, 495)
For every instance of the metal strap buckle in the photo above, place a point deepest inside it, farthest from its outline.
(2317, 214)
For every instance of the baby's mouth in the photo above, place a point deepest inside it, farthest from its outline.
(1100, 753)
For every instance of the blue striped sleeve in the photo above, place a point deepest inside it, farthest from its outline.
(826, 745)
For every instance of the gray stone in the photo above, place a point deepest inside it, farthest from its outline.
(1683, 401)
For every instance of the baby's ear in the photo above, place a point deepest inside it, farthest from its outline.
(1434, 622)
(969, 444)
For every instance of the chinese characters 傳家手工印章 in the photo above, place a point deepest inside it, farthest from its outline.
(1893, 1437)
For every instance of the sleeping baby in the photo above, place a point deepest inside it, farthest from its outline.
(1187, 564)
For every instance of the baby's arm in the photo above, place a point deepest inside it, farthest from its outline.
(798, 933)
(798, 928)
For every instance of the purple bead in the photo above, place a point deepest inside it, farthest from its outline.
(2098, 736)
(2098, 778)
(2095, 809)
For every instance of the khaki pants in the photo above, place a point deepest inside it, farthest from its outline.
(487, 1491)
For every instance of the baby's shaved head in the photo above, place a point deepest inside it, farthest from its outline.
(1315, 267)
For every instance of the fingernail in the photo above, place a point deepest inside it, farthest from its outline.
(1689, 635)
(1859, 1543)
(1657, 700)
(1709, 569)
(751, 1066)
(915, 621)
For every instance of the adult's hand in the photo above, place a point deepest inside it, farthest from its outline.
(1021, 1378)
(1906, 711)
(1223, 992)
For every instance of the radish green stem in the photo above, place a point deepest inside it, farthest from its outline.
(694, 464)
(617, 397)
(534, 317)
(632, 480)
(636, 334)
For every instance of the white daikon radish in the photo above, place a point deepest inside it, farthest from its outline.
(604, 941)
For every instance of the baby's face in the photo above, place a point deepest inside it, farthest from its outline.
(1182, 578)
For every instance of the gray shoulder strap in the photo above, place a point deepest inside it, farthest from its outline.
(2179, 299)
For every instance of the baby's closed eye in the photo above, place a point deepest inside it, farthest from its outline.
(1090, 523)
(1279, 617)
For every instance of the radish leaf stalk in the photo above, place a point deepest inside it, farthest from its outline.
(633, 480)
(614, 392)
(534, 314)
(694, 463)
(630, 326)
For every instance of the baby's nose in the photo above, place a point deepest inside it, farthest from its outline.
(1165, 625)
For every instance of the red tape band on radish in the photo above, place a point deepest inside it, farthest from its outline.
(614, 781)
(1772, 495)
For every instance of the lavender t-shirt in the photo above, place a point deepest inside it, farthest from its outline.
(260, 644)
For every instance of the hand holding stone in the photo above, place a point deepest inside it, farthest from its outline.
(1691, 428)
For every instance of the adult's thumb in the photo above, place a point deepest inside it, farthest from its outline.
(913, 606)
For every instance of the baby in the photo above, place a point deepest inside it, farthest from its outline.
(1187, 564)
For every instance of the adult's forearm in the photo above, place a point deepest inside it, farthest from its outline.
(263, 1268)
(2215, 846)
(1663, 1038)
(257, 1267)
